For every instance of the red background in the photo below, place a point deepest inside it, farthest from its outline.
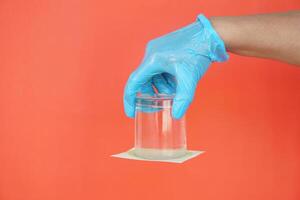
(63, 66)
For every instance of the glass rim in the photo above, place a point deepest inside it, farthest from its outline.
(155, 96)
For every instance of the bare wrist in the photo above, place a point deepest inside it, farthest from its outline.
(227, 30)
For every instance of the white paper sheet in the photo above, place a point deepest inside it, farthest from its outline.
(130, 155)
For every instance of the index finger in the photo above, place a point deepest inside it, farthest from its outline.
(136, 80)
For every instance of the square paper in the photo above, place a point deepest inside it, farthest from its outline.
(130, 155)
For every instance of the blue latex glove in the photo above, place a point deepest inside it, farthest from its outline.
(174, 63)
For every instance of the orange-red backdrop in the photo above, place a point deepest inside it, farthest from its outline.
(63, 66)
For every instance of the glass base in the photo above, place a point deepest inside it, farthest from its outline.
(159, 154)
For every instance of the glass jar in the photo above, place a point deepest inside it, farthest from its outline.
(157, 134)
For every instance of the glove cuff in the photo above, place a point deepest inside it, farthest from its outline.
(218, 51)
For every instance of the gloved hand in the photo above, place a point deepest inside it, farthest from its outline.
(174, 63)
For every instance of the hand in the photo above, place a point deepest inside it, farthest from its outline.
(174, 63)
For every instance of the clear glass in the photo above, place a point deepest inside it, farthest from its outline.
(157, 134)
